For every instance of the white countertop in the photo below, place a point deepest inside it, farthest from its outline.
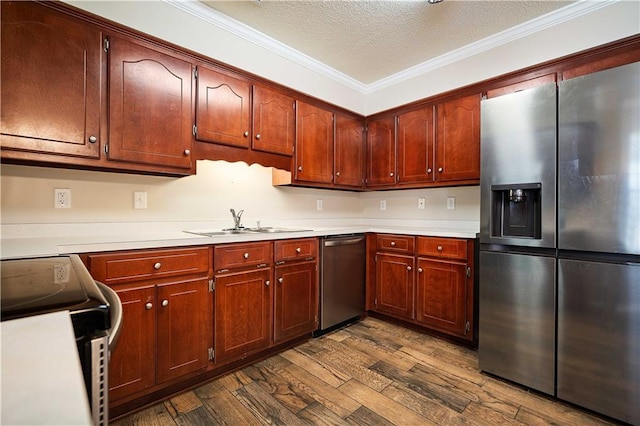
(51, 240)
(42, 380)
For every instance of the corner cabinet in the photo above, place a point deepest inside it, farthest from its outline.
(166, 309)
(381, 152)
(150, 95)
(51, 83)
(427, 281)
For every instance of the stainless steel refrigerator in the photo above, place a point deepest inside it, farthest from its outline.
(560, 280)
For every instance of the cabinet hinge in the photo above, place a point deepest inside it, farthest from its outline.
(375, 301)
(106, 148)
(212, 286)
(468, 271)
(105, 45)
(212, 354)
(195, 73)
(195, 130)
(467, 327)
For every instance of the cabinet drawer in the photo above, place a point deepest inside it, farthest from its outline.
(122, 267)
(299, 249)
(396, 243)
(242, 255)
(448, 248)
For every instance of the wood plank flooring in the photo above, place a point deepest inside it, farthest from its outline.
(371, 373)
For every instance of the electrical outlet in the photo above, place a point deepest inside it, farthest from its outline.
(383, 204)
(62, 198)
(319, 205)
(421, 203)
(451, 203)
(140, 200)
(60, 274)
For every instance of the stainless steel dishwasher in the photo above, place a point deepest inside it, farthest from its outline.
(342, 280)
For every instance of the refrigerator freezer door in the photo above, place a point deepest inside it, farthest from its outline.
(518, 146)
(517, 318)
(599, 337)
(599, 162)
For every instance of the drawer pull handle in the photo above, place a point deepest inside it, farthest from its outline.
(246, 255)
(439, 248)
(420, 270)
(280, 280)
(148, 306)
(165, 302)
(157, 266)
(409, 268)
(393, 243)
(298, 250)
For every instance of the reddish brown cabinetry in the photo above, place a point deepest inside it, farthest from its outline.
(416, 132)
(427, 281)
(296, 289)
(51, 83)
(273, 121)
(348, 152)
(167, 309)
(150, 120)
(381, 152)
(314, 144)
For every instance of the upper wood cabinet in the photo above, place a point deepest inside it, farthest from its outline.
(273, 121)
(314, 144)
(458, 139)
(416, 132)
(150, 98)
(348, 152)
(223, 108)
(51, 82)
(381, 152)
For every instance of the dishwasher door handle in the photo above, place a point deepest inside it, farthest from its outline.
(333, 243)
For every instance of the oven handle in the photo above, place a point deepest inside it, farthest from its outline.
(115, 309)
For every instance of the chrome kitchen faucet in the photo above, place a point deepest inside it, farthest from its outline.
(236, 218)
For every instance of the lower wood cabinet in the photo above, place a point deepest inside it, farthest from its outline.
(295, 300)
(428, 281)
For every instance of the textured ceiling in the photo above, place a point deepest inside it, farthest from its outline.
(371, 40)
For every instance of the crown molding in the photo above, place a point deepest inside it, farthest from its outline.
(264, 41)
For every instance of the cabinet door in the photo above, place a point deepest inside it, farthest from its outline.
(132, 363)
(458, 139)
(50, 74)
(243, 313)
(223, 108)
(395, 285)
(381, 152)
(184, 333)
(348, 155)
(295, 300)
(150, 118)
(314, 144)
(415, 146)
(274, 121)
(441, 295)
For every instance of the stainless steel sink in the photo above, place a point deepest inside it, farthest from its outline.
(244, 231)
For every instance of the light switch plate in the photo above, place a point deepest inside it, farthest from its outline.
(319, 205)
(421, 203)
(383, 204)
(451, 203)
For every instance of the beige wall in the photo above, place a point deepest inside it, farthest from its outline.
(27, 198)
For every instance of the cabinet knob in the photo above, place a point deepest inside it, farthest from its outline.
(338, 174)
(429, 170)
(439, 248)
(280, 280)
(409, 268)
(93, 139)
(157, 265)
(420, 270)
(165, 302)
(439, 169)
(246, 255)
(391, 174)
(258, 136)
(246, 134)
(187, 152)
(148, 306)
(393, 243)
(299, 168)
(298, 250)
(267, 282)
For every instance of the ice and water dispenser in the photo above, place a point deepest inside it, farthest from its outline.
(516, 211)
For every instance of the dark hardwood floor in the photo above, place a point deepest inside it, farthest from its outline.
(371, 373)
